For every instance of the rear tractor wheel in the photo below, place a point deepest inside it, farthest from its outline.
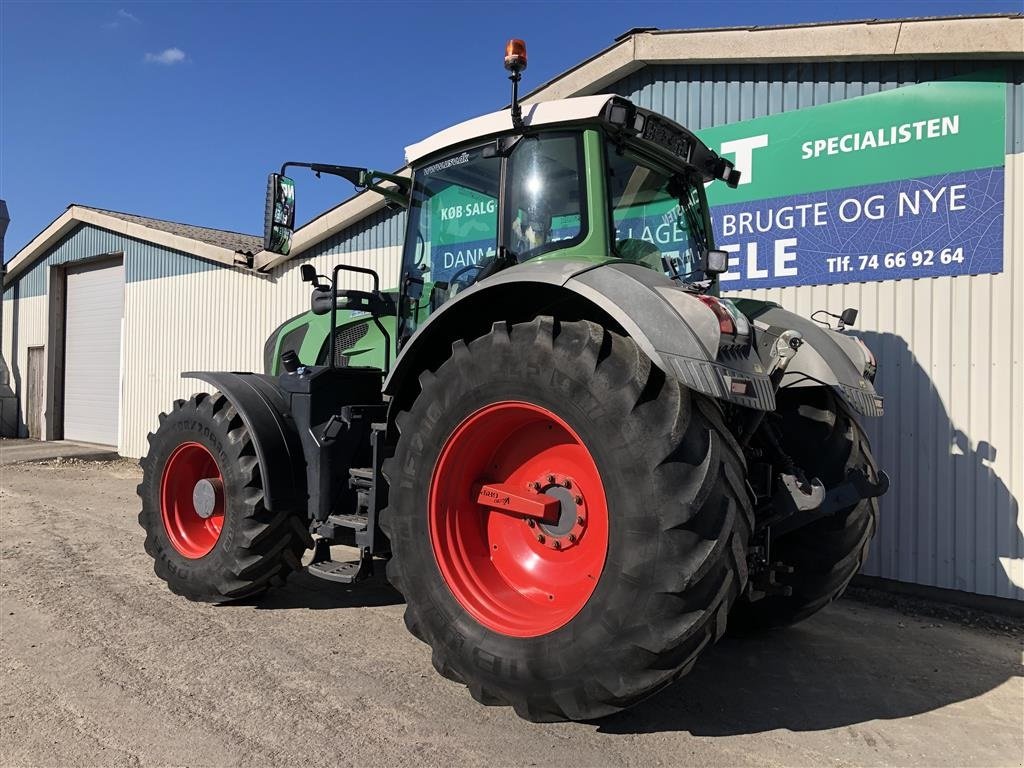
(207, 530)
(568, 526)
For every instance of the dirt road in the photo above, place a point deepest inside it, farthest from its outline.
(101, 665)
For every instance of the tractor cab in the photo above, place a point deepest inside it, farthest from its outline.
(590, 179)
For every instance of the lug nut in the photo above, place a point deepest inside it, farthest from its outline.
(551, 479)
(531, 523)
(572, 537)
(533, 486)
(567, 483)
(580, 519)
(557, 544)
(579, 500)
(540, 537)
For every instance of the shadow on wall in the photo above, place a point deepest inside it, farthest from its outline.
(950, 520)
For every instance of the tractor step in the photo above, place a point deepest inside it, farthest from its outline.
(343, 572)
(360, 476)
(355, 522)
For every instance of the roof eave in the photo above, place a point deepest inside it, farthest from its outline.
(981, 37)
(77, 214)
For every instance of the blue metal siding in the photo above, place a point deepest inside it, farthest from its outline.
(705, 95)
(142, 260)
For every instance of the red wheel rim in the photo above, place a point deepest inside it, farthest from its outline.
(514, 574)
(193, 535)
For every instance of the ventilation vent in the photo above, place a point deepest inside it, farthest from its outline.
(348, 337)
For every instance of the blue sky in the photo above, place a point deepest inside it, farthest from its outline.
(179, 110)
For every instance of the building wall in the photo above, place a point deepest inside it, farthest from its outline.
(183, 313)
(950, 349)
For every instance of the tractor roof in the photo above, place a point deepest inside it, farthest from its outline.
(543, 113)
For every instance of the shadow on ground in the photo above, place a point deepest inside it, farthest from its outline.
(310, 592)
(851, 664)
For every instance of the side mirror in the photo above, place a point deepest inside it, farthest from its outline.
(716, 262)
(279, 218)
(308, 272)
(848, 317)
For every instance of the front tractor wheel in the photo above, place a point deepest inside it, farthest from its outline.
(568, 526)
(209, 534)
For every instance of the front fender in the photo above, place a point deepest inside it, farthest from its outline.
(676, 331)
(263, 408)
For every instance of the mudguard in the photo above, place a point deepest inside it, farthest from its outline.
(675, 330)
(827, 357)
(263, 409)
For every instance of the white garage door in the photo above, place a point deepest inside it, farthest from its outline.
(92, 353)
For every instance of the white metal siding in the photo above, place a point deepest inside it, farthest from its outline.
(24, 326)
(92, 353)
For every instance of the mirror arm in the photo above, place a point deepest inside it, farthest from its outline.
(363, 178)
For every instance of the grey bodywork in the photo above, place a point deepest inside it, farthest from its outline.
(673, 328)
(827, 358)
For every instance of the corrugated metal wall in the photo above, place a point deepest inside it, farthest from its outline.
(950, 350)
(230, 315)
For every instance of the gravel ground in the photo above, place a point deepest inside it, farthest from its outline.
(101, 665)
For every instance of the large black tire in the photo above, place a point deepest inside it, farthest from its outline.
(255, 549)
(677, 506)
(823, 438)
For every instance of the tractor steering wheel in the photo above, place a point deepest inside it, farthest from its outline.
(455, 278)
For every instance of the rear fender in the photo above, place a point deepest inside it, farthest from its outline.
(263, 409)
(677, 332)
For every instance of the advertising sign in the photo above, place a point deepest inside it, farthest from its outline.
(899, 184)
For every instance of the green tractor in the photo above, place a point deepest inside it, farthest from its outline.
(579, 463)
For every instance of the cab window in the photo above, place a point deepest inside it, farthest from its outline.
(658, 220)
(546, 199)
(453, 227)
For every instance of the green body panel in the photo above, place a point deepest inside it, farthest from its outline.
(368, 351)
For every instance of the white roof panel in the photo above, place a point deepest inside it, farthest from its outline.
(542, 113)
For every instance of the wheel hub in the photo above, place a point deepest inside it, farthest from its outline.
(206, 494)
(572, 514)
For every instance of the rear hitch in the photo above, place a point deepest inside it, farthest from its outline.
(856, 487)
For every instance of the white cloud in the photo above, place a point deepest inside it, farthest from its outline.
(168, 56)
(121, 16)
